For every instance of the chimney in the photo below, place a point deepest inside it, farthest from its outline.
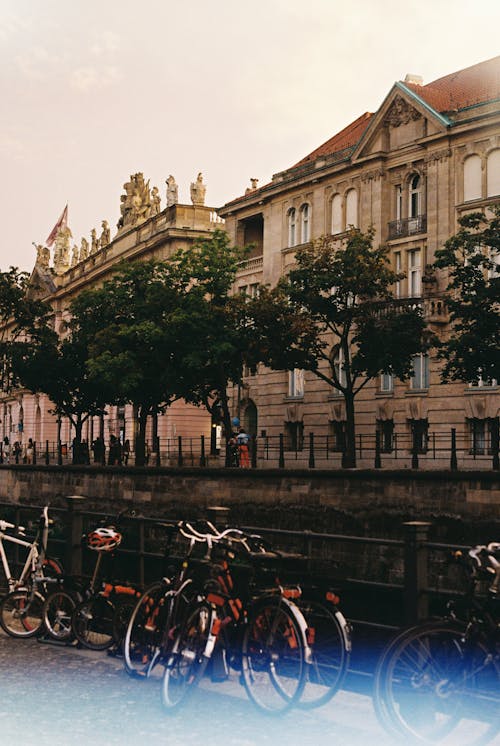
(416, 79)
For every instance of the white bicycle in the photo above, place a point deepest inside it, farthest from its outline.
(21, 609)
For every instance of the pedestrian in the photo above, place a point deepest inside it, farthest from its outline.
(243, 453)
(126, 451)
(6, 450)
(17, 451)
(113, 457)
(30, 449)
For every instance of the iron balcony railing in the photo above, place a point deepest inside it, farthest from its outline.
(407, 227)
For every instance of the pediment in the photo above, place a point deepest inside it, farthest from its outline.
(41, 283)
(401, 121)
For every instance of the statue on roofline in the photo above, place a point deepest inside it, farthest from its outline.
(172, 192)
(135, 204)
(198, 190)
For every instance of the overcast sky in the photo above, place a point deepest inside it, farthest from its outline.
(95, 90)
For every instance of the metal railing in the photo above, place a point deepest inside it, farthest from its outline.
(384, 583)
(407, 227)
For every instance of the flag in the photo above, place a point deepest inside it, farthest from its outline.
(61, 223)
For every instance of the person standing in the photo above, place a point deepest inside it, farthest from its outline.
(126, 451)
(6, 450)
(242, 440)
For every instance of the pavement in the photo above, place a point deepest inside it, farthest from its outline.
(55, 695)
(67, 696)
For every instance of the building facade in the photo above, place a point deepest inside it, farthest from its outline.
(408, 171)
(144, 231)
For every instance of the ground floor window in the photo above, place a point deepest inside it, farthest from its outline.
(481, 435)
(385, 428)
(419, 435)
(294, 436)
(336, 437)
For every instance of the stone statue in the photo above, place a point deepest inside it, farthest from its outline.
(75, 256)
(135, 204)
(198, 190)
(42, 256)
(94, 241)
(84, 249)
(61, 250)
(155, 201)
(172, 192)
(105, 235)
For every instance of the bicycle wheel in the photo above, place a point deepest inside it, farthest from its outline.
(144, 631)
(21, 613)
(273, 655)
(330, 645)
(93, 623)
(435, 686)
(57, 613)
(189, 657)
(124, 605)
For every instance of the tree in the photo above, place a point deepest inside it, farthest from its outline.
(336, 316)
(21, 317)
(219, 337)
(139, 329)
(58, 367)
(472, 257)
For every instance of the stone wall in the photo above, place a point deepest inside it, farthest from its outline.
(463, 506)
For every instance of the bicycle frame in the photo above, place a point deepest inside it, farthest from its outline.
(36, 555)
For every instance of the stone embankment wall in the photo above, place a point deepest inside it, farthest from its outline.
(463, 506)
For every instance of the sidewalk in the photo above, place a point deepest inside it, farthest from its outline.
(65, 696)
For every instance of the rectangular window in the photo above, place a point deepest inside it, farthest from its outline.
(338, 365)
(419, 435)
(420, 375)
(294, 436)
(296, 383)
(399, 202)
(387, 382)
(397, 267)
(414, 274)
(337, 436)
(385, 429)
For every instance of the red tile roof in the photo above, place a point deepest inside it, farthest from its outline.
(346, 138)
(474, 85)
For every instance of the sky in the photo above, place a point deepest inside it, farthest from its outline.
(93, 91)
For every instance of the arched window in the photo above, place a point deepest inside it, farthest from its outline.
(338, 365)
(415, 197)
(351, 208)
(472, 178)
(337, 214)
(292, 227)
(493, 174)
(305, 227)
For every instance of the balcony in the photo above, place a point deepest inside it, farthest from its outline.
(407, 227)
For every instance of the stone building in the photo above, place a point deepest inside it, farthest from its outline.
(144, 231)
(430, 153)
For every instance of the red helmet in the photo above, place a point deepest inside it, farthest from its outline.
(104, 539)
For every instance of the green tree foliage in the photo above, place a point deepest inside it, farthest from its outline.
(21, 317)
(139, 328)
(472, 259)
(335, 306)
(219, 332)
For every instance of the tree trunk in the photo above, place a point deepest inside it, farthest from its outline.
(140, 440)
(77, 441)
(349, 459)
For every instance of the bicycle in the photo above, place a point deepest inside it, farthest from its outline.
(21, 609)
(95, 613)
(438, 682)
(261, 634)
(160, 609)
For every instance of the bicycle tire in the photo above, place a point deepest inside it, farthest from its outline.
(329, 642)
(431, 687)
(93, 623)
(189, 657)
(57, 615)
(274, 655)
(21, 613)
(143, 634)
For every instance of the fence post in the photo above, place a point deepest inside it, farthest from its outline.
(254, 451)
(416, 602)
(281, 458)
(157, 448)
(414, 450)
(378, 460)
(47, 456)
(311, 451)
(453, 456)
(34, 452)
(180, 460)
(74, 530)
(203, 458)
(1, 453)
(495, 437)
